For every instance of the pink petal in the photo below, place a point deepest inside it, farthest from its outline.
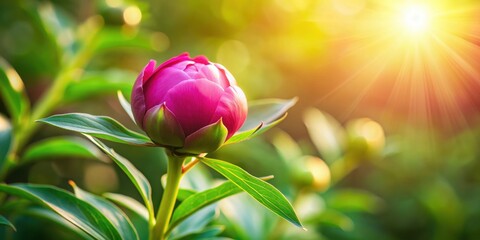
(193, 102)
(172, 61)
(226, 74)
(193, 71)
(148, 70)
(185, 64)
(138, 97)
(201, 59)
(212, 73)
(161, 82)
(232, 108)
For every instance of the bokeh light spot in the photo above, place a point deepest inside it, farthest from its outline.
(368, 130)
(4, 124)
(160, 41)
(132, 15)
(320, 173)
(15, 80)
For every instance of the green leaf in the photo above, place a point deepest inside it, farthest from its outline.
(113, 213)
(128, 203)
(4, 221)
(263, 192)
(266, 111)
(195, 223)
(97, 126)
(100, 83)
(62, 147)
(242, 136)
(246, 219)
(5, 139)
(40, 212)
(200, 200)
(261, 129)
(125, 105)
(135, 176)
(184, 194)
(206, 233)
(13, 93)
(262, 115)
(76, 211)
(137, 213)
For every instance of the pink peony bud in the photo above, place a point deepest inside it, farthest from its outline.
(189, 105)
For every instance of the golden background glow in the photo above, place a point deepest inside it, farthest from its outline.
(419, 58)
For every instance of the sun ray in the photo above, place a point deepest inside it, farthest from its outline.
(419, 56)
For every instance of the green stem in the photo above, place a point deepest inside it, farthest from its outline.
(151, 217)
(174, 175)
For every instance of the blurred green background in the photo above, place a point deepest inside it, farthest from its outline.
(394, 116)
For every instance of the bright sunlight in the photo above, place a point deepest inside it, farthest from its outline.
(417, 58)
(416, 18)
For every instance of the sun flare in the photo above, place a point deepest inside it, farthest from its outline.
(418, 58)
(416, 18)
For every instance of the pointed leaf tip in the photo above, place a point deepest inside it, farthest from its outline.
(125, 105)
(267, 111)
(262, 116)
(263, 192)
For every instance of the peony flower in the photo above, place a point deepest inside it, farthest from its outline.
(189, 105)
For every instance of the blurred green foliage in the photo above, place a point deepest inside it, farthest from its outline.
(351, 179)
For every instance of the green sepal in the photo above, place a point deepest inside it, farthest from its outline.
(206, 139)
(162, 127)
